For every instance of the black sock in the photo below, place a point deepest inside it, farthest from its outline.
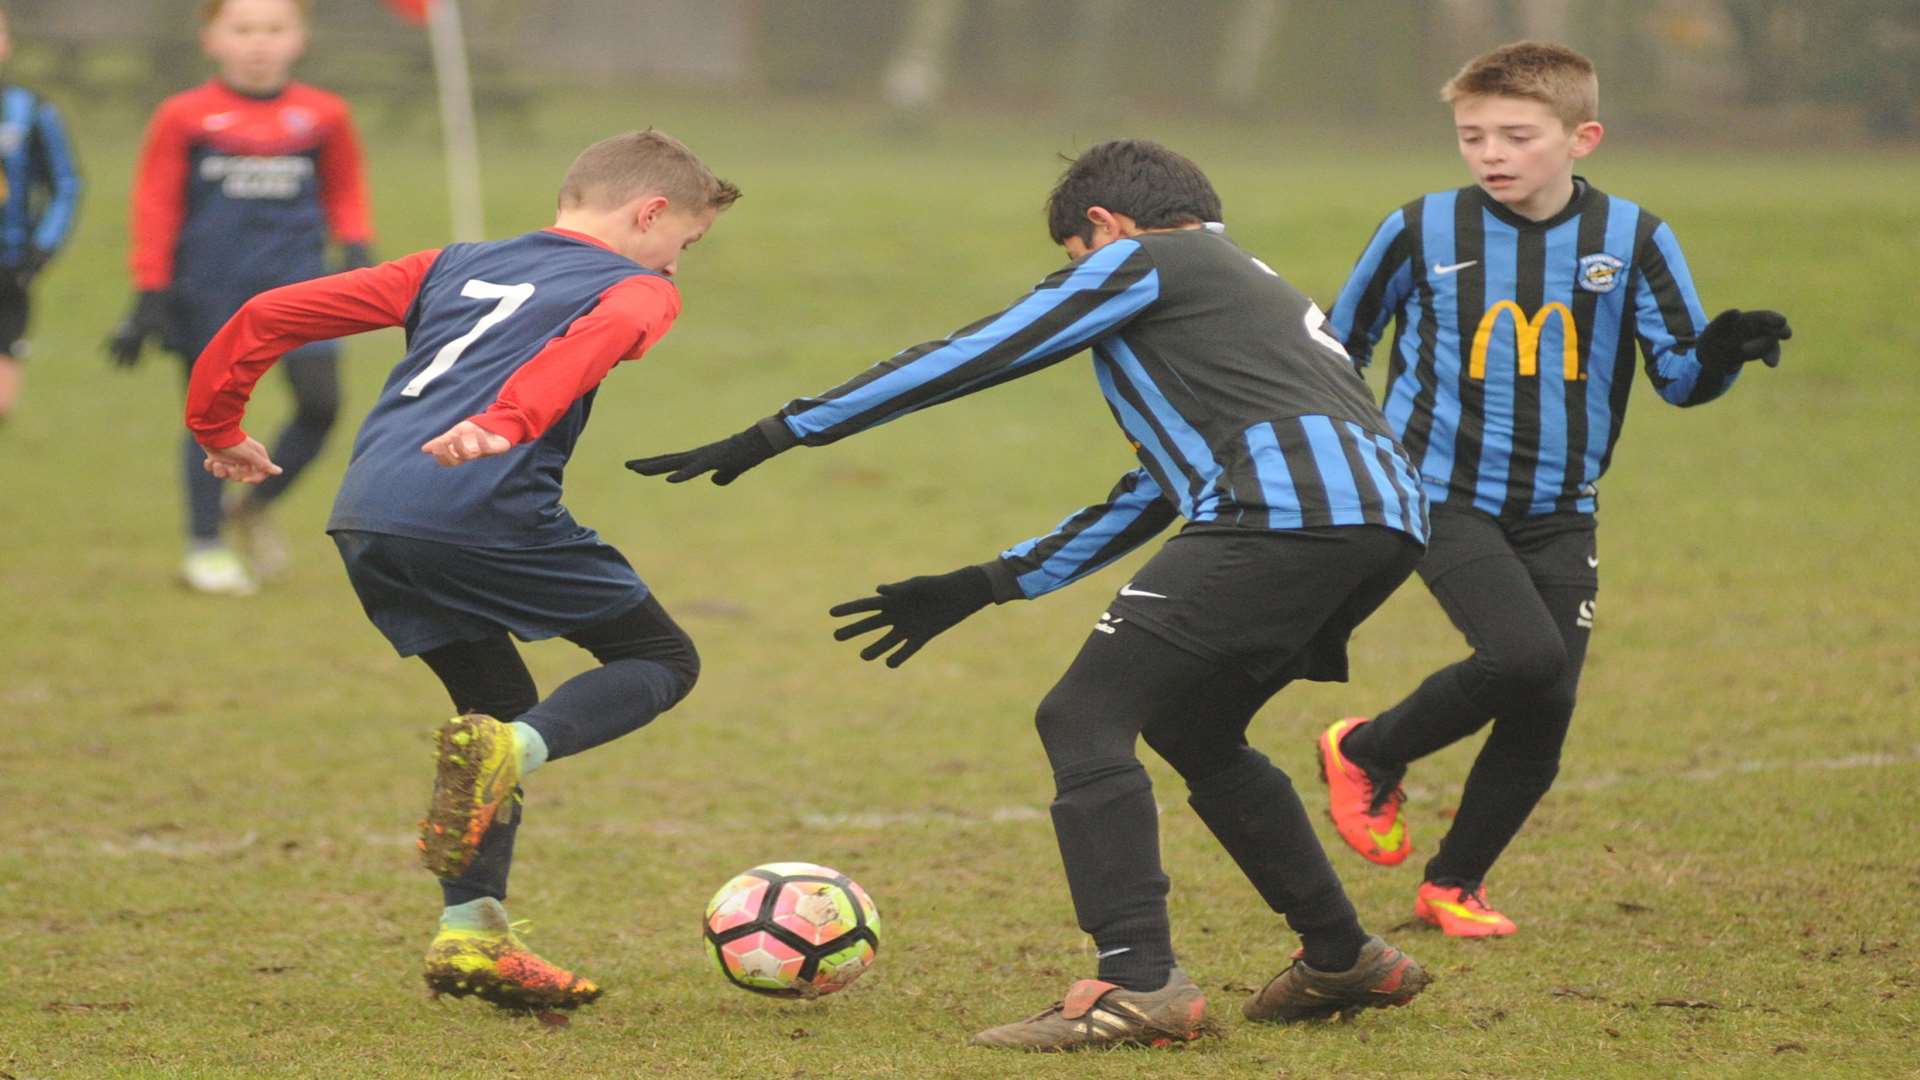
(1252, 809)
(1333, 949)
(1500, 795)
(1109, 834)
(1142, 968)
(1439, 713)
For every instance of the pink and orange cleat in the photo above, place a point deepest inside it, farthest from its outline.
(1368, 819)
(1460, 911)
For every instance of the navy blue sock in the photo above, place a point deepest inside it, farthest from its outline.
(486, 875)
(600, 705)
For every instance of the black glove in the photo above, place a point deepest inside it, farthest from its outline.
(29, 267)
(725, 459)
(1735, 337)
(151, 317)
(355, 257)
(915, 610)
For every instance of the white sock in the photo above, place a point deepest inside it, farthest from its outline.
(533, 748)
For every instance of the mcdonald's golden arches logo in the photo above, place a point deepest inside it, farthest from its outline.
(1526, 340)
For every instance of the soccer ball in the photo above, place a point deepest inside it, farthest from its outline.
(792, 929)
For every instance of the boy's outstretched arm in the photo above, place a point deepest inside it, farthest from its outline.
(1061, 316)
(278, 321)
(1376, 287)
(914, 611)
(1690, 360)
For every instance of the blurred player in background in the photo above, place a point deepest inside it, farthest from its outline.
(1520, 300)
(1303, 515)
(449, 517)
(240, 183)
(39, 195)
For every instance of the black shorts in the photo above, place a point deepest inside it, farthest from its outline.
(1558, 550)
(422, 594)
(1277, 605)
(15, 307)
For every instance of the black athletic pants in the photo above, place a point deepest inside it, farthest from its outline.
(1314, 586)
(1522, 591)
(647, 664)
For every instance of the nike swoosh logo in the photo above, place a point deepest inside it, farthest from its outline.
(1451, 267)
(1460, 911)
(1389, 840)
(1112, 952)
(1593, 562)
(1129, 590)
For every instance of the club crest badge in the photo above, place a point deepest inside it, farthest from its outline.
(1599, 272)
(296, 120)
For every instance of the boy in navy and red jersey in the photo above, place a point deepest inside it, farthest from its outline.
(39, 195)
(449, 518)
(1520, 302)
(241, 182)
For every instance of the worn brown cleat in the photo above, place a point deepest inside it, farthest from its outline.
(1383, 977)
(1097, 1014)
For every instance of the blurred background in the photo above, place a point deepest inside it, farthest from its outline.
(1741, 69)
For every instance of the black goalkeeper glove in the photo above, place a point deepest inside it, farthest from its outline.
(151, 317)
(355, 257)
(725, 459)
(914, 610)
(1735, 337)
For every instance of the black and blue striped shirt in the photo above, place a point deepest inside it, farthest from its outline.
(1513, 350)
(1243, 411)
(39, 182)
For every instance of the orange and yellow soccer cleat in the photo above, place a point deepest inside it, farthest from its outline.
(494, 965)
(476, 768)
(1368, 819)
(1460, 911)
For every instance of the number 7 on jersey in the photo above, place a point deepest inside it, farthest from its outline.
(510, 297)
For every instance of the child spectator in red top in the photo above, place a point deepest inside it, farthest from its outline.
(241, 182)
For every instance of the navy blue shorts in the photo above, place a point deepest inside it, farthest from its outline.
(422, 594)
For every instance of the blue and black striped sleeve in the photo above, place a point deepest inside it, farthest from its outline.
(1061, 316)
(1668, 320)
(1380, 281)
(1090, 538)
(54, 167)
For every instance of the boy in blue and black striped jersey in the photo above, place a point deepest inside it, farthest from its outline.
(1520, 301)
(1303, 515)
(39, 195)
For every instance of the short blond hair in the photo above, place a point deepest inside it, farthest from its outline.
(1554, 75)
(210, 9)
(615, 171)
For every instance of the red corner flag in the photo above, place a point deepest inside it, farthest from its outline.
(414, 11)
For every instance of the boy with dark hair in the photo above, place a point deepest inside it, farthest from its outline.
(507, 342)
(240, 182)
(1303, 515)
(39, 195)
(1519, 300)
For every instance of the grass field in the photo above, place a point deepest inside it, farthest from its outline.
(207, 867)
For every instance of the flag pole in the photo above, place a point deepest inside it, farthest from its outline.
(457, 127)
